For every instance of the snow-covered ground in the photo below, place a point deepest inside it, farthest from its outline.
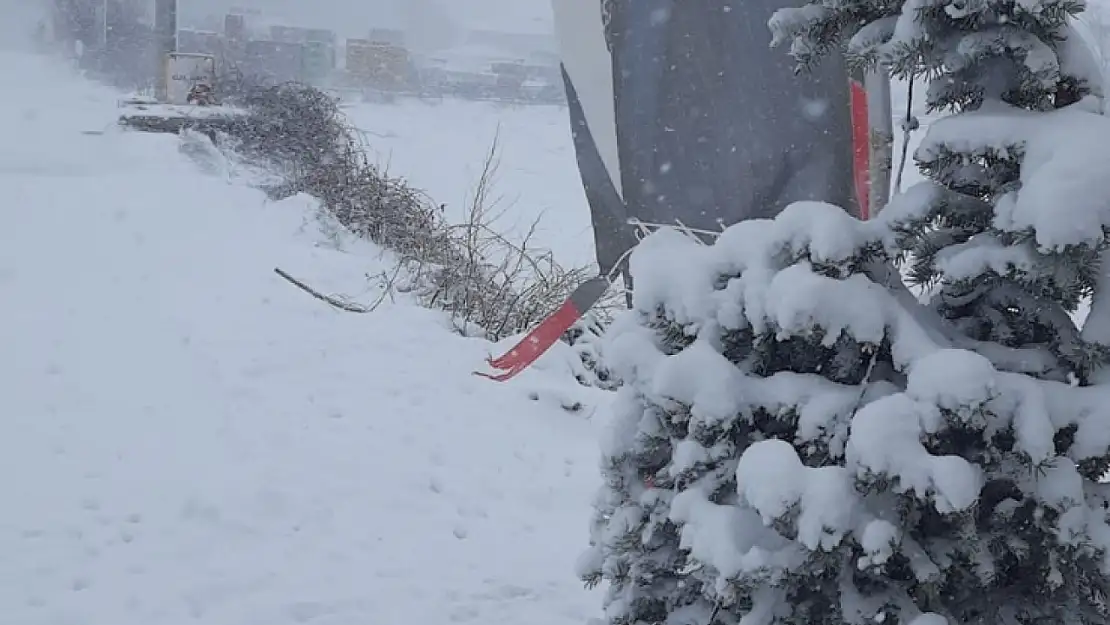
(185, 437)
(536, 176)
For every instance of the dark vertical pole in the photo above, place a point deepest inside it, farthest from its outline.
(165, 34)
(103, 26)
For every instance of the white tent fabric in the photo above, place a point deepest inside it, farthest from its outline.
(585, 56)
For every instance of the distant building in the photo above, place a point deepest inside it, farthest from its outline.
(111, 37)
(199, 41)
(318, 50)
(318, 62)
(273, 62)
(297, 34)
(235, 27)
(523, 45)
(380, 65)
(387, 36)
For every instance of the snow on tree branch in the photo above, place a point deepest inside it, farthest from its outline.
(801, 441)
(793, 444)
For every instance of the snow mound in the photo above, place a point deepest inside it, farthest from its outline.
(190, 438)
(772, 480)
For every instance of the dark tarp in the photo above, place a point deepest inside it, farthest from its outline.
(706, 123)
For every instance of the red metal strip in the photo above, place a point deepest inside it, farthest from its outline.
(535, 343)
(861, 149)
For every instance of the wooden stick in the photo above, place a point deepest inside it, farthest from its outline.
(327, 299)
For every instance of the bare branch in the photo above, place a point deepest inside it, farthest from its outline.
(331, 300)
(484, 279)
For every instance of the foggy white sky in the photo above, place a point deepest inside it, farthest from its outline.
(354, 18)
(17, 22)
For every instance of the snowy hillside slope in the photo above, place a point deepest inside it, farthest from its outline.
(184, 437)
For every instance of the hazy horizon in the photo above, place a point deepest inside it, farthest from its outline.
(354, 18)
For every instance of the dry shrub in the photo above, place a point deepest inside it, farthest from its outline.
(491, 285)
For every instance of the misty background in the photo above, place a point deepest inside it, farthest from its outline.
(434, 24)
(351, 18)
(429, 25)
(18, 20)
(476, 49)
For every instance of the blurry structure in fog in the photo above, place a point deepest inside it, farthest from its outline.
(418, 48)
(111, 39)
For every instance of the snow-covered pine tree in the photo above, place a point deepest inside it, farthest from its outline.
(799, 441)
(771, 332)
(999, 66)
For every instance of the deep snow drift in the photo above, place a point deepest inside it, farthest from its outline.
(187, 438)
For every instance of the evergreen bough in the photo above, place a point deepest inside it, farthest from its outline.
(800, 440)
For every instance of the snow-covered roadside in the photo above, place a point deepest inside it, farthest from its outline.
(186, 436)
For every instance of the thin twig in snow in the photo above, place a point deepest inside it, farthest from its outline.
(327, 299)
